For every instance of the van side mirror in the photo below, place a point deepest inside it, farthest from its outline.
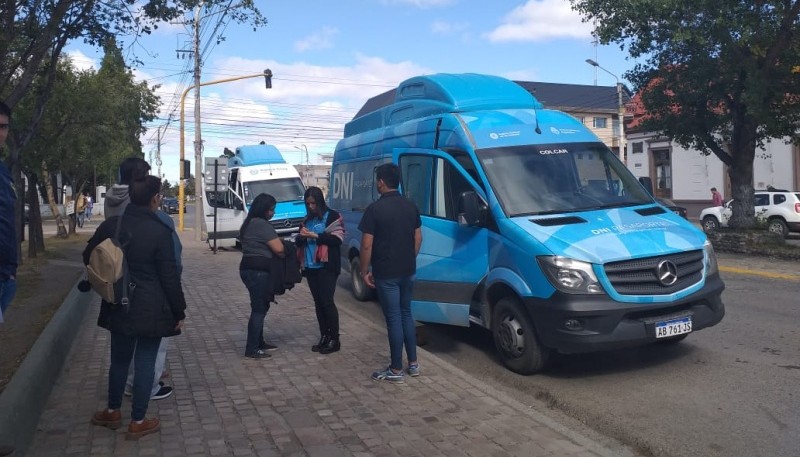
(238, 205)
(647, 183)
(473, 211)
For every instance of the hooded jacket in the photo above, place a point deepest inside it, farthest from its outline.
(157, 301)
(117, 199)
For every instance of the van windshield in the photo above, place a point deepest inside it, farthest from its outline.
(559, 178)
(284, 190)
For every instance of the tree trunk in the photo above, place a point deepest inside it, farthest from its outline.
(19, 211)
(743, 150)
(61, 229)
(35, 233)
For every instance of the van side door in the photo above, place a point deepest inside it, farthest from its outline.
(230, 209)
(453, 258)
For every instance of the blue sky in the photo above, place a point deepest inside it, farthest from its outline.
(329, 57)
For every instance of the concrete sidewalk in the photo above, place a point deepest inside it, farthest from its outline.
(297, 403)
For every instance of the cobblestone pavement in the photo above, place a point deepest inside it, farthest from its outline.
(297, 403)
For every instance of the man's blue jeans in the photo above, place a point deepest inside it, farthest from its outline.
(8, 288)
(395, 297)
(144, 361)
(259, 287)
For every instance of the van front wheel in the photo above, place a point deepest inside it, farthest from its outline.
(361, 291)
(516, 340)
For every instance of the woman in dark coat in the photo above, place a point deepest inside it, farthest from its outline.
(156, 304)
(319, 243)
(260, 243)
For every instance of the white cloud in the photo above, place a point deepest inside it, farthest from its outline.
(307, 105)
(540, 20)
(320, 40)
(81, 61)
(448, 28)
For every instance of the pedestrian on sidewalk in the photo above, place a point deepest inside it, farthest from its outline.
(157, 308)
(260, 243)
(716, 197)
(89, 206)
(80, 209)
(319, 244)
(8, 231)
(117, 199)
(390, 241)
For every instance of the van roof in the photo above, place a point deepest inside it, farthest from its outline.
(429, 95)
(256, 154)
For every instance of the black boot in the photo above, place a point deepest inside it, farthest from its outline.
(323, 340)
(332, 345)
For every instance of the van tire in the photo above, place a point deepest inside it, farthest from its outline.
(515, 338)
(361, 291)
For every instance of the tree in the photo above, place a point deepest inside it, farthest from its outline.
(717, 75)
(33, 35)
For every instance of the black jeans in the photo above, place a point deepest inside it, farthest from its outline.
(259, 286)
(322, 284)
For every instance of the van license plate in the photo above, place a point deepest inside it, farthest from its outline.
(674, 327)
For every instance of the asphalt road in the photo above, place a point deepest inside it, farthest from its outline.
(731, 390)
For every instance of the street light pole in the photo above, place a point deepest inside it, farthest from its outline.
(620, 108)
(267, 75)
(305, 173)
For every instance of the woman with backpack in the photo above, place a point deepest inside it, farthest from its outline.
(156, 304)
(260, 243)
(319, 244)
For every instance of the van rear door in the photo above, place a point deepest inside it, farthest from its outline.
(453, 258)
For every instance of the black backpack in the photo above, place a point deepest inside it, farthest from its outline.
(285, 272)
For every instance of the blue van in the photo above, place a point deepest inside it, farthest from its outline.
(532, 228)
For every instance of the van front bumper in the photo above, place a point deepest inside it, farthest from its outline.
(608, 324)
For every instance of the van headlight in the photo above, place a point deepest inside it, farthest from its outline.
(570, 275)
(711, 259)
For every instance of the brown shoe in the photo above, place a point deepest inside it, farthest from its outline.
(112, 420)
(148, 426)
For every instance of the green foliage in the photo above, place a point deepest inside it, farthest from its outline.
(717, 75)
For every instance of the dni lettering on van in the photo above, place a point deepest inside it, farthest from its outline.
(343, 185)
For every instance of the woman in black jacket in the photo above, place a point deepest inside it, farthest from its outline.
(319, 243)
(260, 244)
(156, 304)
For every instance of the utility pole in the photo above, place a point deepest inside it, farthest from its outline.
(198, 141)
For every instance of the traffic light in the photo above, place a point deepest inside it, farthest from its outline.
(268, 78)
(186, 169)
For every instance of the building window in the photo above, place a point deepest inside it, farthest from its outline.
(599, 122)
(637, 148)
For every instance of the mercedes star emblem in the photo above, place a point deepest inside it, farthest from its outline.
(667, 273)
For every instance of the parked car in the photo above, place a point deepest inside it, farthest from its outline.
(780, 210)
(670, 205)
(170, 205)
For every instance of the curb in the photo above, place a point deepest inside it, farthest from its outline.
(26, 395)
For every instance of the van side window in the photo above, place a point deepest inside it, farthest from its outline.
(451, 185)
(434, 185)
(762, 200)
(417, 175)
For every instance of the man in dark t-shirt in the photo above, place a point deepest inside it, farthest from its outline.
(390, 241)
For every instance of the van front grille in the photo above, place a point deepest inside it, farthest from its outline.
(641, 276)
